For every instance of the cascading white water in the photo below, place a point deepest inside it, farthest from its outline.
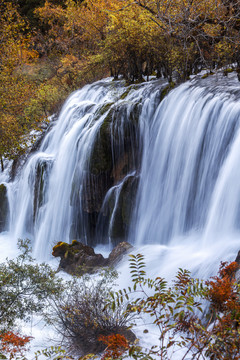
(189, 191)
(185, 147)
(52, 198)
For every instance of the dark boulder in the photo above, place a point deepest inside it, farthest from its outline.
(119, 252)
(78, 259)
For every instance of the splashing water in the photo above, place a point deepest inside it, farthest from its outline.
(184, 155)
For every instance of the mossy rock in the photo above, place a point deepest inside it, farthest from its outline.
(135, 113)
(125, 94)
(166, 90)
(101, 156)
(114, 154)
(77, 258)
(63, 249)
(4, 208)
(128, 194)
(100, 160)
(60, 249)
(227, 71)
(104, 108)
(207, 75)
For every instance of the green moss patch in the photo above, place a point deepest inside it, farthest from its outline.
(166, 90)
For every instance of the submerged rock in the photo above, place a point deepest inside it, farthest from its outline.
(78, 259)
(119, 252)
(238, 258)
(4, 208)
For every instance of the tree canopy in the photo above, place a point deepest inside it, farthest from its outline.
(49, 48)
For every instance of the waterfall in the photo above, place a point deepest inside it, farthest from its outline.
(120, 164)
(186, 148)
(87, 163)
(188, 198)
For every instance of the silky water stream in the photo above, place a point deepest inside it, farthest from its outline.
(183, 153)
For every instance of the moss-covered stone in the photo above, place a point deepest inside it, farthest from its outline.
(4, 208)
(101, 156)
(113, 156)
(207, 75)
(74, 242)
(104, 108)
(60, 249)
(166, 90)
(78, 259)
(135, 113)
(125, 94)
(227, 71)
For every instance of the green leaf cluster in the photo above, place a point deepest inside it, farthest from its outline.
(25, 287)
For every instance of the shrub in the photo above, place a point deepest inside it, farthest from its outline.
(25, 287)
(176, 309)
(83, 316)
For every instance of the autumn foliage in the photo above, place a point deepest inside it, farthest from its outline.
(200, 317)
(13, 344)
(116, 346)
(50, 48)
(222, 291)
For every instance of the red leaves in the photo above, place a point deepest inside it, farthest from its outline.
(12, 343)
(222, 292)
(116, 345)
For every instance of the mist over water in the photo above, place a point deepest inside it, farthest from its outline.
(187, 210)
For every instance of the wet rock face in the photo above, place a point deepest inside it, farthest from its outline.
(78, 259)
(39, 186)
(4, 208)
(238, 258)
(119, 252)
(123, 209)
(113, 157)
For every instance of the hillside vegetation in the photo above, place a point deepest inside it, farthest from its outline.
(50, 48)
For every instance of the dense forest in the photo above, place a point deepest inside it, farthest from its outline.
(50, 48)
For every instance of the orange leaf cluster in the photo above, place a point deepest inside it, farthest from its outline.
(12, 343)
(222, 291)
(116, 345)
